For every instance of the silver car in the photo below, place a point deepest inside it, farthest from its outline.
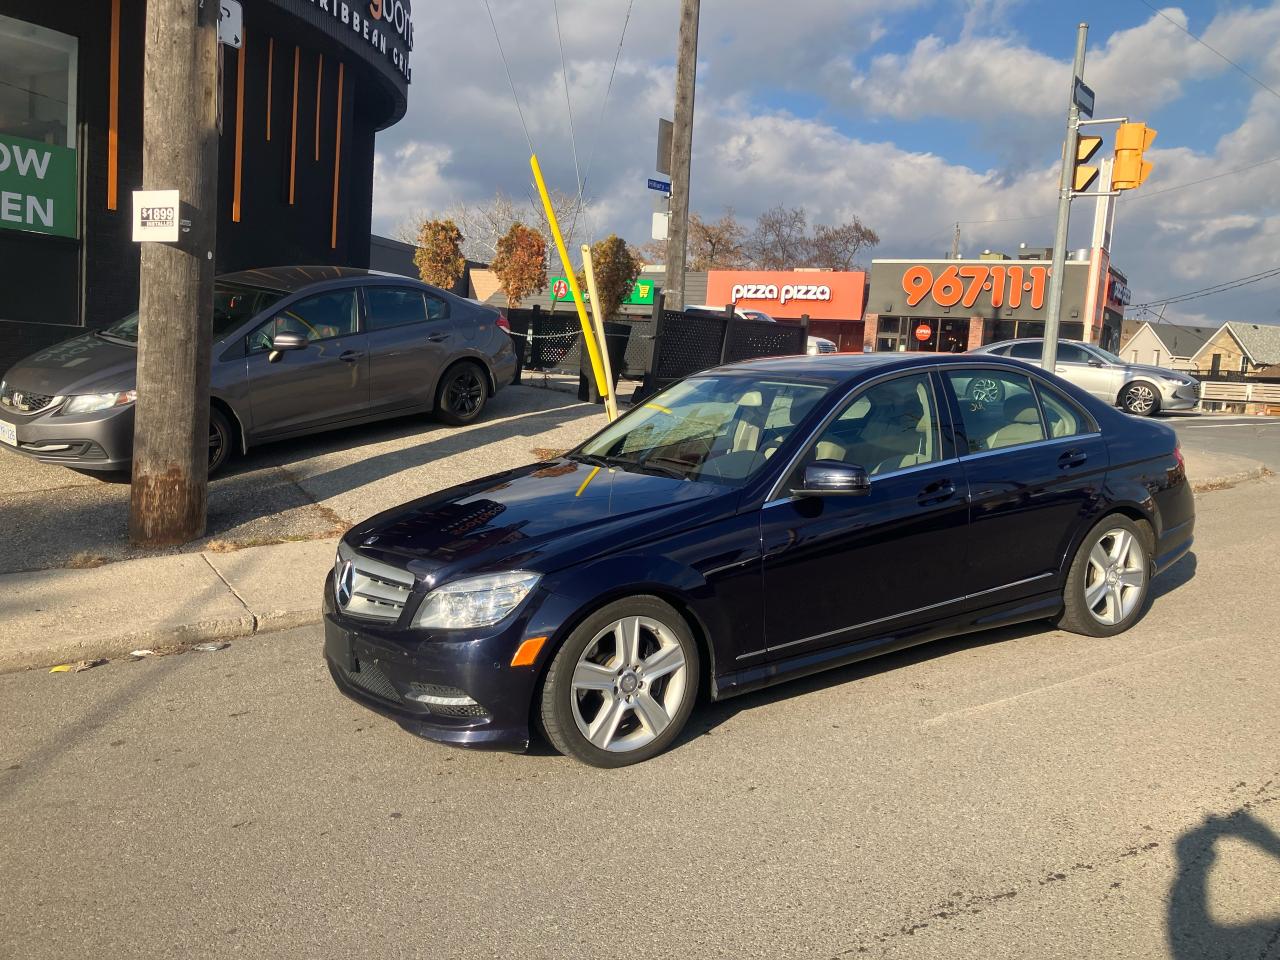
(296, 350)
(1133, 387)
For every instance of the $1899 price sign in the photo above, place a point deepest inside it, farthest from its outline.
(1000, 285)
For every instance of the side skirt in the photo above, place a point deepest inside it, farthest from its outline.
(802, 665)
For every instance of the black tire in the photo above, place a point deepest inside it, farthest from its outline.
(222, 440)
(561, 704)
(984, 390)
(1078, 614)
(462, 393)
(1140, 399)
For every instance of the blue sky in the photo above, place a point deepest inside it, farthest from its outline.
(911, 115)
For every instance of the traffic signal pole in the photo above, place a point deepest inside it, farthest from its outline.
(1049, 355)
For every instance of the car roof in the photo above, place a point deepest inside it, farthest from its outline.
(292, 279)
(853, 366)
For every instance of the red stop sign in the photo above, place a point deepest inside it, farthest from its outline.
(923, 332)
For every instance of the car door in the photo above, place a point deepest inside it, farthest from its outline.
(411, 336)
(325, 382)
(1077, 365)
(1035, 463)
(838, 569)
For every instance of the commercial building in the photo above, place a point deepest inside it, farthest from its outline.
(956, 305)
(302, 97)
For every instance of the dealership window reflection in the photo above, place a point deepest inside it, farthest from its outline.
(37, 83)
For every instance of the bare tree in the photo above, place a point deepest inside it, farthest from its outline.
(838, 247)
(716, 245)
(485, 222)
(780, 239)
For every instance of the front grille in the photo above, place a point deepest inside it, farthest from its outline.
(24, 402)
(375, 591)
(370, 678)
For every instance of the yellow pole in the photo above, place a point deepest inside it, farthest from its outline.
(610, 401)
(588, 337)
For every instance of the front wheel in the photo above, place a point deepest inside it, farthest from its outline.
(1140, 399)
(461, 394)
(622, 686)
(221, 440)
(1106, 588)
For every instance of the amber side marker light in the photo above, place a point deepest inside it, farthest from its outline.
(528, 652)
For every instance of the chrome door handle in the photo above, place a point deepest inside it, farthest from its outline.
(1072, 458)
(936, 492)
(437, 337)
(350, 356)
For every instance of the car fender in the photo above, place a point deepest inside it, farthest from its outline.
(1131, 379)
(468, 353)
(590, 586)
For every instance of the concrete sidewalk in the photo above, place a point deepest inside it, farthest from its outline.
(167, 602)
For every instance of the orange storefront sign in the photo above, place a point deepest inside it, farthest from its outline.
(786, 293)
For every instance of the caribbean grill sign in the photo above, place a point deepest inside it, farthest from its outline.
(37, 187)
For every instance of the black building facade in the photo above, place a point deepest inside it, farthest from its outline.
(302, 98)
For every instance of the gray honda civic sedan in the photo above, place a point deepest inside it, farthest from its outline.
(295, 350)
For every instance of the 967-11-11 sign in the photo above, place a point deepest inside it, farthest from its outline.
(999, 284)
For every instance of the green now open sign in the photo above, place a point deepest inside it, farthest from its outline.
(37, 187)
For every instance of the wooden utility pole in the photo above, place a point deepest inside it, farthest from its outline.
(179, 151)
(681, 152)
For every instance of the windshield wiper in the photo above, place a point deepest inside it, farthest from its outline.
(640, 466)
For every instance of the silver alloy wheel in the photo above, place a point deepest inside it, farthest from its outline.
(1115, 577)
(1140, 399)
(628, 684)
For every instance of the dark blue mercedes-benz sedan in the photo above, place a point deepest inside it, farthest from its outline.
(752, 524)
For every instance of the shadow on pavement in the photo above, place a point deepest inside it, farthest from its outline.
(1193, 932)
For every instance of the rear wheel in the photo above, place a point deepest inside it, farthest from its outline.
(1106, 589)
(1140, 399)
(461, 394)
(221, 440)
(622, 686)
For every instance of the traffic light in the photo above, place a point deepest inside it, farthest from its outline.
(1084, 175)
(1132, 140)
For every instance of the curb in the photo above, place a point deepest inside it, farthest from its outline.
(1230, 480)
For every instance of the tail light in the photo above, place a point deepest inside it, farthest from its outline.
(1177, 455)
(503, 322)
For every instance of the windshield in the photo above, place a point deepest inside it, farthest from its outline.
(717, 429)
(232, 305)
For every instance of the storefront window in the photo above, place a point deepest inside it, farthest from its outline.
(37, 83)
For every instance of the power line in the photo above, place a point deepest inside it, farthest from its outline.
(595, 138)
(1145, 195)
(564, 72)
(1219, 54)
(1211, 290)
(514, 95)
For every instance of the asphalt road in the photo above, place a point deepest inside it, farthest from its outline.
(1019, 793)
(1255, 437)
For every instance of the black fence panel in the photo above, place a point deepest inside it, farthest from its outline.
(689, 344)
(749, 339)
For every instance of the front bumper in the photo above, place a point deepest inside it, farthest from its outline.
(379, 667)
(92, 441)
(1176, 396)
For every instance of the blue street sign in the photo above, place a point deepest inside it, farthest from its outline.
(662, 186)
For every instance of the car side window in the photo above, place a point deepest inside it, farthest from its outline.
(1070, 353)
(1025, 351)
(394, 307)
(891, 425)
(1062, 417)
(321, 317)
(437, 307)
(997, 407)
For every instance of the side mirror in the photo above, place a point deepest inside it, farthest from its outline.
(283, 342)
(834, 478)
(1094, 362)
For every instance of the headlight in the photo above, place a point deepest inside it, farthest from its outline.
(91, 402)
(476, 601)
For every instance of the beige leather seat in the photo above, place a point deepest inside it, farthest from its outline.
(1022, 423)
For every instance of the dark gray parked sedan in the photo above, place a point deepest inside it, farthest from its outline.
(295, 350)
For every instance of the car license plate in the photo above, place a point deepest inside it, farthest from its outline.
(337, 646)
(8, 433)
